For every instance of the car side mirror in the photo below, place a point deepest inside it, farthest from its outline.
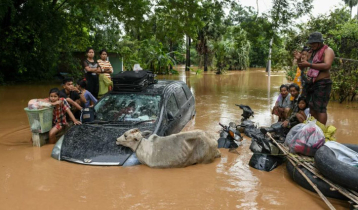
(170, 116)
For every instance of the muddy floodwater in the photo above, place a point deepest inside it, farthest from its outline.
(31, 179)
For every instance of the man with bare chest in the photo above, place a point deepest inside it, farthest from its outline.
(319, 83)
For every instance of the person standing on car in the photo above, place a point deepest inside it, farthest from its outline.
(105, 82)
(106, 67)
(91, 69)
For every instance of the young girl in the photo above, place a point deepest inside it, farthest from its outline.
(106, 67)
(92, 69)
(90, 100)
(303, 109)
(61, 107)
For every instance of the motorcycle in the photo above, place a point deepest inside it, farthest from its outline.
(230, 137)
(266, 155)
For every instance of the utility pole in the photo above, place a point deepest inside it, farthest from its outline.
(269, 59)
(187, 60)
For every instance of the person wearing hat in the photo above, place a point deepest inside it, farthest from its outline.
(318, 77)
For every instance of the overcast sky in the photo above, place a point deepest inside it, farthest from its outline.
(319, 6)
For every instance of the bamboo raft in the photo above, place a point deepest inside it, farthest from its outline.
(308, 163)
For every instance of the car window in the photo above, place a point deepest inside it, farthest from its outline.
(128, 107)
(180, 96)
(172, 105)
(187, 92)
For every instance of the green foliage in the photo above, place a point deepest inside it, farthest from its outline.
(196, 71)
(259, 31)
(344, 40)
(345, 79)
(40, 36)
(341, 34)
(156, 57)
(351, 4)
(290, 72)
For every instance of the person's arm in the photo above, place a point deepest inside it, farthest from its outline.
(93, 70)
(109, 69)
(92, 98)
(82, 98)
(47, 100)
(327, 62)
(80, 94)
(278, 100)
(73, 103)
(75, 121)
(107, 81)
(285, 123)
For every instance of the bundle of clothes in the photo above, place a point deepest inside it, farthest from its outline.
(35, 104)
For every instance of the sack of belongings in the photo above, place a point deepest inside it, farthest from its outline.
(328, 130)
(305, 138)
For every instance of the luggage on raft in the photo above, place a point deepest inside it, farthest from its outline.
(339, 172)
(132, 80)
(322, 185)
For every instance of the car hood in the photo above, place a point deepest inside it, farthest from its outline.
(95, 145)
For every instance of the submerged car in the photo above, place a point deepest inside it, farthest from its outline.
(163, 108)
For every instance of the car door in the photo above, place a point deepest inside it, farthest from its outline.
(184, 114)
(171, 115)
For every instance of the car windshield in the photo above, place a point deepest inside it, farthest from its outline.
(128, 107)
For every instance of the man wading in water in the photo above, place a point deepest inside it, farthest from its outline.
(319, 83)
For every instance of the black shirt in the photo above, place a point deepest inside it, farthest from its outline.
(73, 95)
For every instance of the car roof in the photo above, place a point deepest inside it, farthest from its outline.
(155, 89)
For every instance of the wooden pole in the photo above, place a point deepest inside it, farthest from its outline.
(313, 185)
(314, 171)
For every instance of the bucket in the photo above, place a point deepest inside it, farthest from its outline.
(40, 120)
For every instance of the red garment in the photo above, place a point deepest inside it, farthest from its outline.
(59, 114)
(318, 58)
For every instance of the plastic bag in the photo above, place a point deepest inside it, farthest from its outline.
(294, 130)
(38, 104)
(305, 139)
(36, 126)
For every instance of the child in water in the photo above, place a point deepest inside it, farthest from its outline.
(61, 107)
(303, 109)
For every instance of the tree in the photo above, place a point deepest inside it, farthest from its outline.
(282, 14)
(212, 17)
(351, 4)
(39, 36)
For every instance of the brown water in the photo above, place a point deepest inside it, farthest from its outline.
(31, 179)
